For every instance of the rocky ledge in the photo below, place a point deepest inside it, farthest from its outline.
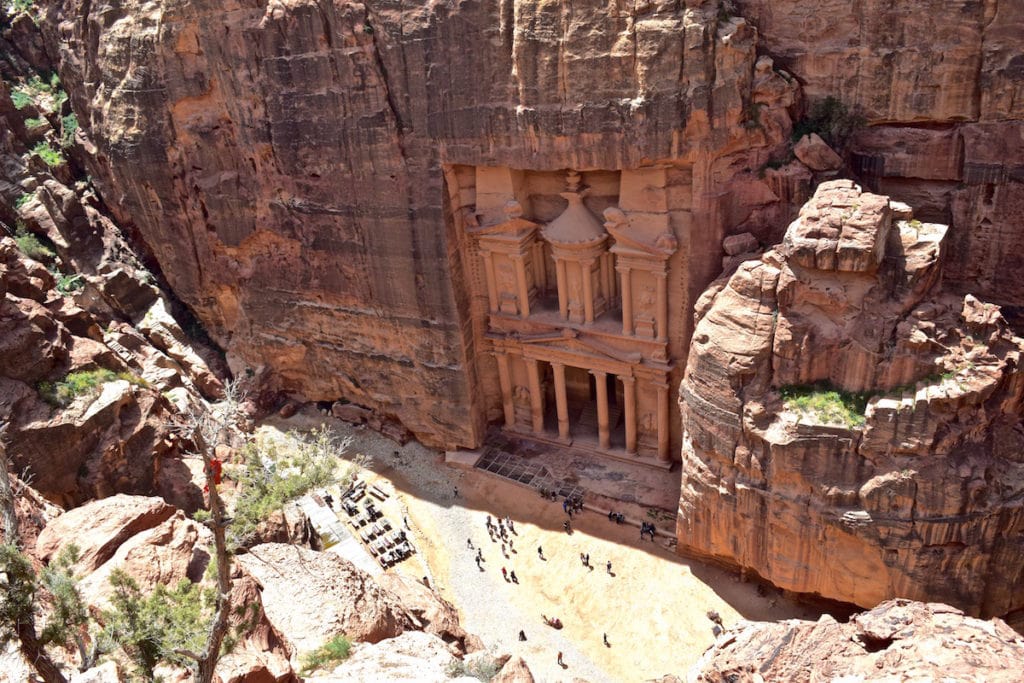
(850, 429)
(898, 640)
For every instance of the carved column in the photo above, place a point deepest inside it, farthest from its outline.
(563, 293)
(505, 378)
(627, 301)
(662, 306)
(629, 397)
(492, 281)
(663, 430)
(561, 402)
(603, 431)
(524, 286)
(587, 270)
(536, 397)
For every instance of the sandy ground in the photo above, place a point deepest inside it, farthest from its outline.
(652, 606)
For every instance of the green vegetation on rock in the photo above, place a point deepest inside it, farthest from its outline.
(825, 404)
(76, 384)
(831, 120)
(276, 474)
(328, 655)
(52, 157)
(30, 245)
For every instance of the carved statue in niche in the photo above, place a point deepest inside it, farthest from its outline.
(648, 423)
(521, 394)
(506, 278)
(647, 298)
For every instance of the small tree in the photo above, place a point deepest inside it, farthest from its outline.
(207, 429)
(19, 586)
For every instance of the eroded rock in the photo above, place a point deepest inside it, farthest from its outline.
(859, 502)
(897, 640)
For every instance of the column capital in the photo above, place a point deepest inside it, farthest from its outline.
(627, 379)
(601, 373)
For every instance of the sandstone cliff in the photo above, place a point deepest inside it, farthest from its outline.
(288, 162)
(942, 85)
(851, 430)
(898, 640)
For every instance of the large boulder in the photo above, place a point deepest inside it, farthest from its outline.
(899, 640)
(850, 429)
(100, 527)
(311, 596)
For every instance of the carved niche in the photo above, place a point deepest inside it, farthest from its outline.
(508, 250)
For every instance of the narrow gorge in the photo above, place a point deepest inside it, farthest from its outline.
(748, 271)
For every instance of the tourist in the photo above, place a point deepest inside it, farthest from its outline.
(586, 560)
(405, 521)
(522, 635)
(611, 514)
(560, 662)
(478, 565)
(605, 637)
(504, 573)
(488, 521)
(609, 566)
(469, 544)
(455, 491)
(540, 552)
(651, 530)
(512, 575)
(567, 526)
(480, 555)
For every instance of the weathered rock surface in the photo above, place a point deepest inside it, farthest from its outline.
(100, 527)
(298, 198)
(414, 657)
(311, 596)
(816, 154)
(918, 494)
(963, 167)
(433, 613)
(897, 640)
(62, 314)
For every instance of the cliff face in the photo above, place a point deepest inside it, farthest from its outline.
(287, 161)
(942, 85)
(852, 429)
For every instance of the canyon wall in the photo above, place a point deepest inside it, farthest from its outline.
(852, 428)
(941, 83)
(287, 161)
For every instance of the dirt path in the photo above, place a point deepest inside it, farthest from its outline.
(652, 606)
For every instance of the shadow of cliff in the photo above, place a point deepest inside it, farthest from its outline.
(420, 472)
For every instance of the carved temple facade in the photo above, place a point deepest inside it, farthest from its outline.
(577, 288)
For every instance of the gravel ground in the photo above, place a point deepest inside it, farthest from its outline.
(653, 607)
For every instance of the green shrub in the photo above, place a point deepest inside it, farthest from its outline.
(68, 126)
(483, 669)
(51, 156)
(62, 393)
(46, 95)
(330, 654)
(68, 284)
(23, 199)
(826, 404)
(276, 475)
(830, 119)
(34, 122)
(30, 245)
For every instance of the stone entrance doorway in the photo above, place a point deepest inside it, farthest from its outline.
(583, 408)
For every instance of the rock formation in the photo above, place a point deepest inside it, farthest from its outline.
(850, 429)
(941, 85)
(897, 640)
(297, 168)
